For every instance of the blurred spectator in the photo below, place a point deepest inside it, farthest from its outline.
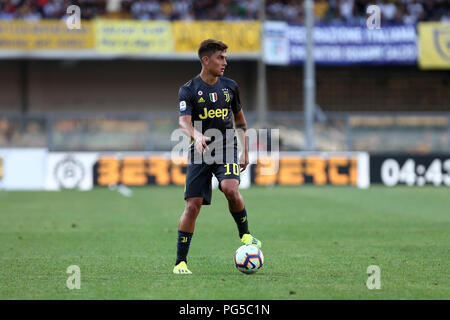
(8, 9)
(430, 9)
(53, 9)
(413, 12)
(252, 9)
(388, 10)
(145, 10)
(326, 11)
(291, 11)
(182, 10)
(415, 8)
(321, 8)
(346, 10)
(446, 17)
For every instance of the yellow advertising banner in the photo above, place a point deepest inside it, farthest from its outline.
(243, 36)
(434, 45)
(45, 35)
(128, 36)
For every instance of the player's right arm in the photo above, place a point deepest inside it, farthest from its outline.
(185, 119)
(185, 123)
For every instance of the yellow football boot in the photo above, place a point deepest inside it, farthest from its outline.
(249, 239)
(181, 268)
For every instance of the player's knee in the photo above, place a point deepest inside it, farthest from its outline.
(231, 193)
(193, 207)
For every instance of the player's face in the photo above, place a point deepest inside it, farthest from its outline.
(217, 62)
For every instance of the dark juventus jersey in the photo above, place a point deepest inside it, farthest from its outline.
(213, 105)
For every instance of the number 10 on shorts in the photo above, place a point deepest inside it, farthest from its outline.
(235, 168)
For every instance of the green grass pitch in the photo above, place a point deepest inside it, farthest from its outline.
(317, 243)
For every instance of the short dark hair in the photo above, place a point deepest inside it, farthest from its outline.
(209, 47)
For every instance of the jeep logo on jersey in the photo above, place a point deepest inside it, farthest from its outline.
(213, 97)
(217, 113)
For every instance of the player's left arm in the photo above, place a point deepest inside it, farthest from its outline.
(240, 125)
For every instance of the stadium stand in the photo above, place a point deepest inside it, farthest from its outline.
(93, 120)
(331, 11)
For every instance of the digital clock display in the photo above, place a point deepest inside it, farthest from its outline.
(411, 170)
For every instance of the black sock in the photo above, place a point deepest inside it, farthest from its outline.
(241, 221)
(184, 240)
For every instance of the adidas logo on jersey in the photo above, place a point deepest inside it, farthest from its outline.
(201, 100)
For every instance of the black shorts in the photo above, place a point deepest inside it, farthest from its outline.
(199, 179)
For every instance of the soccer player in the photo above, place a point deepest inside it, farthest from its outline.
(210, 101)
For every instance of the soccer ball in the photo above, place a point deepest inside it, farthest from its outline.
(248, 258)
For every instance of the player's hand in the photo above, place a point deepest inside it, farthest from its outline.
(244, 161)
(200, 143)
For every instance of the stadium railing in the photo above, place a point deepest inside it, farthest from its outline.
(419, 132)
